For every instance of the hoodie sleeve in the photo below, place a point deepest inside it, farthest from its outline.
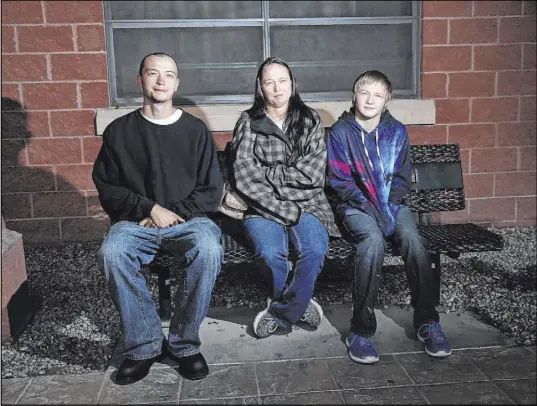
(401, 173)
(339, 174)
(119, 202)
(209, 184)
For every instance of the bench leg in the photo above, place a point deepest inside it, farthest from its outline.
(164, 295)
(435, 265)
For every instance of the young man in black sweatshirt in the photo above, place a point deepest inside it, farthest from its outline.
(157, 176)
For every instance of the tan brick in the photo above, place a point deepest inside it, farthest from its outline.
(55, 151)
(472, 135)
(73, 122)
(76, 177)
(471, 84)
(526, 209)
(434, 32)
(510, 134)
(516, 83)
(21, 12)
(493, 160)
(447, 8)
(79, 66)
(494, 109)
(515, 184)
(497, 8)
(24, 67)
(46, 38)
(497, 57)
(420, 135)
(446, 58)
(44, 96)
(492, 209)
(473, 31)
(91, 146)
(37, 231)
(74, 11)
(90, 37)
(527, 108)
(517, 29)
(94, 94)
(480, 185)
(8, 39)
(527, 158)
(433, 85)
(452, 111)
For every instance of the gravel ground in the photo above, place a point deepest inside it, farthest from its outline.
(76, 327)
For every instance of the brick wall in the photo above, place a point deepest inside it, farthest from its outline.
(478, 63)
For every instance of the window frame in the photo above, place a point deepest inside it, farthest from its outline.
(265, 22)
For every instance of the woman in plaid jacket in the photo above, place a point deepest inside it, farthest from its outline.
(278, 153)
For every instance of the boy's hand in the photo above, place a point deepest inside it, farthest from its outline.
(163, 217)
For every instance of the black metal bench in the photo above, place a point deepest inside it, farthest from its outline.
(437, 185)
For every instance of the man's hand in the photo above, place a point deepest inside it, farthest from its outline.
(147, 222)
(163, 217)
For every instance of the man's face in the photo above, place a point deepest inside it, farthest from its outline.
(276, 85)
(370, 99)
(159, 80)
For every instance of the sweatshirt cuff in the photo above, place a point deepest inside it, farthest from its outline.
(147, 206)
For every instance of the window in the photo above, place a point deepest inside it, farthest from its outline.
(220, 44)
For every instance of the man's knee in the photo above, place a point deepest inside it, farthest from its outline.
(374, 241)
(207, 241)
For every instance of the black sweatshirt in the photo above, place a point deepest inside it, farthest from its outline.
(141, 163)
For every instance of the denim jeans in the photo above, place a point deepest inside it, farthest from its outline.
(370, 246)
(126, 247)
(270, 241)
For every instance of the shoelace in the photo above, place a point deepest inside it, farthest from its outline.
(271, 325)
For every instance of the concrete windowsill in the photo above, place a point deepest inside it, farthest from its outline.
(224, 117)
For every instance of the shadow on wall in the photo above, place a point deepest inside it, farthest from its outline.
(36, 201)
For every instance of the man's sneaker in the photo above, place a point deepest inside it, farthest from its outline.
(361, 349)
(264, 324)
(313, 314)
(436, 344)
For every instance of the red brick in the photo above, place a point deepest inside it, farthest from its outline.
(515, 184)
(24, 67)
(497, 8)
(419, 134)
(516, 83)
(38, 124)
(90, 37)
(446, 58)
(94, 94)
(481, 185)
(37, 231)
(497, 57)
(473, 31)
(472, 135)
(78, 66)
(55, 151)
(11, 91)
(84, 229)
(451, 217)
(74, 122)
(492, 209)
(13, 153)
(91, 146)
(45, 96)
(94, 205)
(221, 138)
(493, 160)
(527, 158)
(15, 124)
(526, 209)
(494, 109)
(527, 108)
(434, 32)
(433, 85)
(59, 204)
(517, 29)
(76, 177)
(46, 38)
(465, 160)
(471, 84)
(8, 39)
(74, 11)
(16, 206)
(27, 179)
(530, 7)
(21, 12)
(511, 134)
(452, 110)
(447, 8)
(529, 58)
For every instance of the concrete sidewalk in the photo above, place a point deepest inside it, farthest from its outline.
(312, 367)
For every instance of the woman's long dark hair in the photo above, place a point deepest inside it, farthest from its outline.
(297, 111)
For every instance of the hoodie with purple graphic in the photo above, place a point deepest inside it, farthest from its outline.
(369, 172)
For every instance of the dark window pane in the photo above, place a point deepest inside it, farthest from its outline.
(331, 57)
(147, 10)
(309, 9)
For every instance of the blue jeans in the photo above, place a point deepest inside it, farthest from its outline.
(364, 232)
(126, 247)
(270, 241)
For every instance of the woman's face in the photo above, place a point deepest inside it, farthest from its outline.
(276, 85)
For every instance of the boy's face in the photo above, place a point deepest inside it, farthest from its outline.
(370, 99)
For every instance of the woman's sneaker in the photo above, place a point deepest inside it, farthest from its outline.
(264, 324)
(313, 314)
(436, 343)
(361, 349)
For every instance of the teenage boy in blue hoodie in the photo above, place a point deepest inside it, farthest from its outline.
(368, 175)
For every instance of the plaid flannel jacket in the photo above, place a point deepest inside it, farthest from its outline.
(276, 182)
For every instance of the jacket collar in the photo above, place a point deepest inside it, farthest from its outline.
(266, 126)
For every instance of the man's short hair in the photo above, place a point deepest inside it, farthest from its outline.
(140, 71)
(372, 76)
